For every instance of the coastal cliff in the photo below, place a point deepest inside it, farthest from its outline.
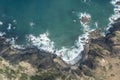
(101, 60)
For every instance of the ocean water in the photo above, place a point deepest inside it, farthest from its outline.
(22, 19)
(54, 16)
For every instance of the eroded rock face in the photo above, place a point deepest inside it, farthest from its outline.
(97, 50)
(101, 47)
(3, 44)
(99, 57)
(95, 34)
(113, 38)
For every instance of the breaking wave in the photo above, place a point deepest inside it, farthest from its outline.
(116, 16)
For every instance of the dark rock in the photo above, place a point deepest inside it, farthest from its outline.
(95, 34)
(115, 27)
(113, 38)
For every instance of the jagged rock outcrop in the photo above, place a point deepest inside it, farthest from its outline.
(100, 58)
(113, 38)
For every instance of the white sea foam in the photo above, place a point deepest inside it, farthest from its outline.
(13, 44)
(1, 23)
(74, 20)
(31, 24)
(42, 42)
(9, 26)
(114, 2)
(11, 40)
(86, 1)
(14, 21)
(96, 24)
(116, 16)
(2, 33)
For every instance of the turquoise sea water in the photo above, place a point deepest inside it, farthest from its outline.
(55, 16)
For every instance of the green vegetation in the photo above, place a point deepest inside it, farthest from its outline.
(9, 72)
(24, 76)
(1, 77)
(88, 72)
(104, 68)
(1, 70)
(110, 66)
(1, 59)
(45, 76)
(112, 75)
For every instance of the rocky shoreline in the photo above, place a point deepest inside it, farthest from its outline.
(100, 54)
